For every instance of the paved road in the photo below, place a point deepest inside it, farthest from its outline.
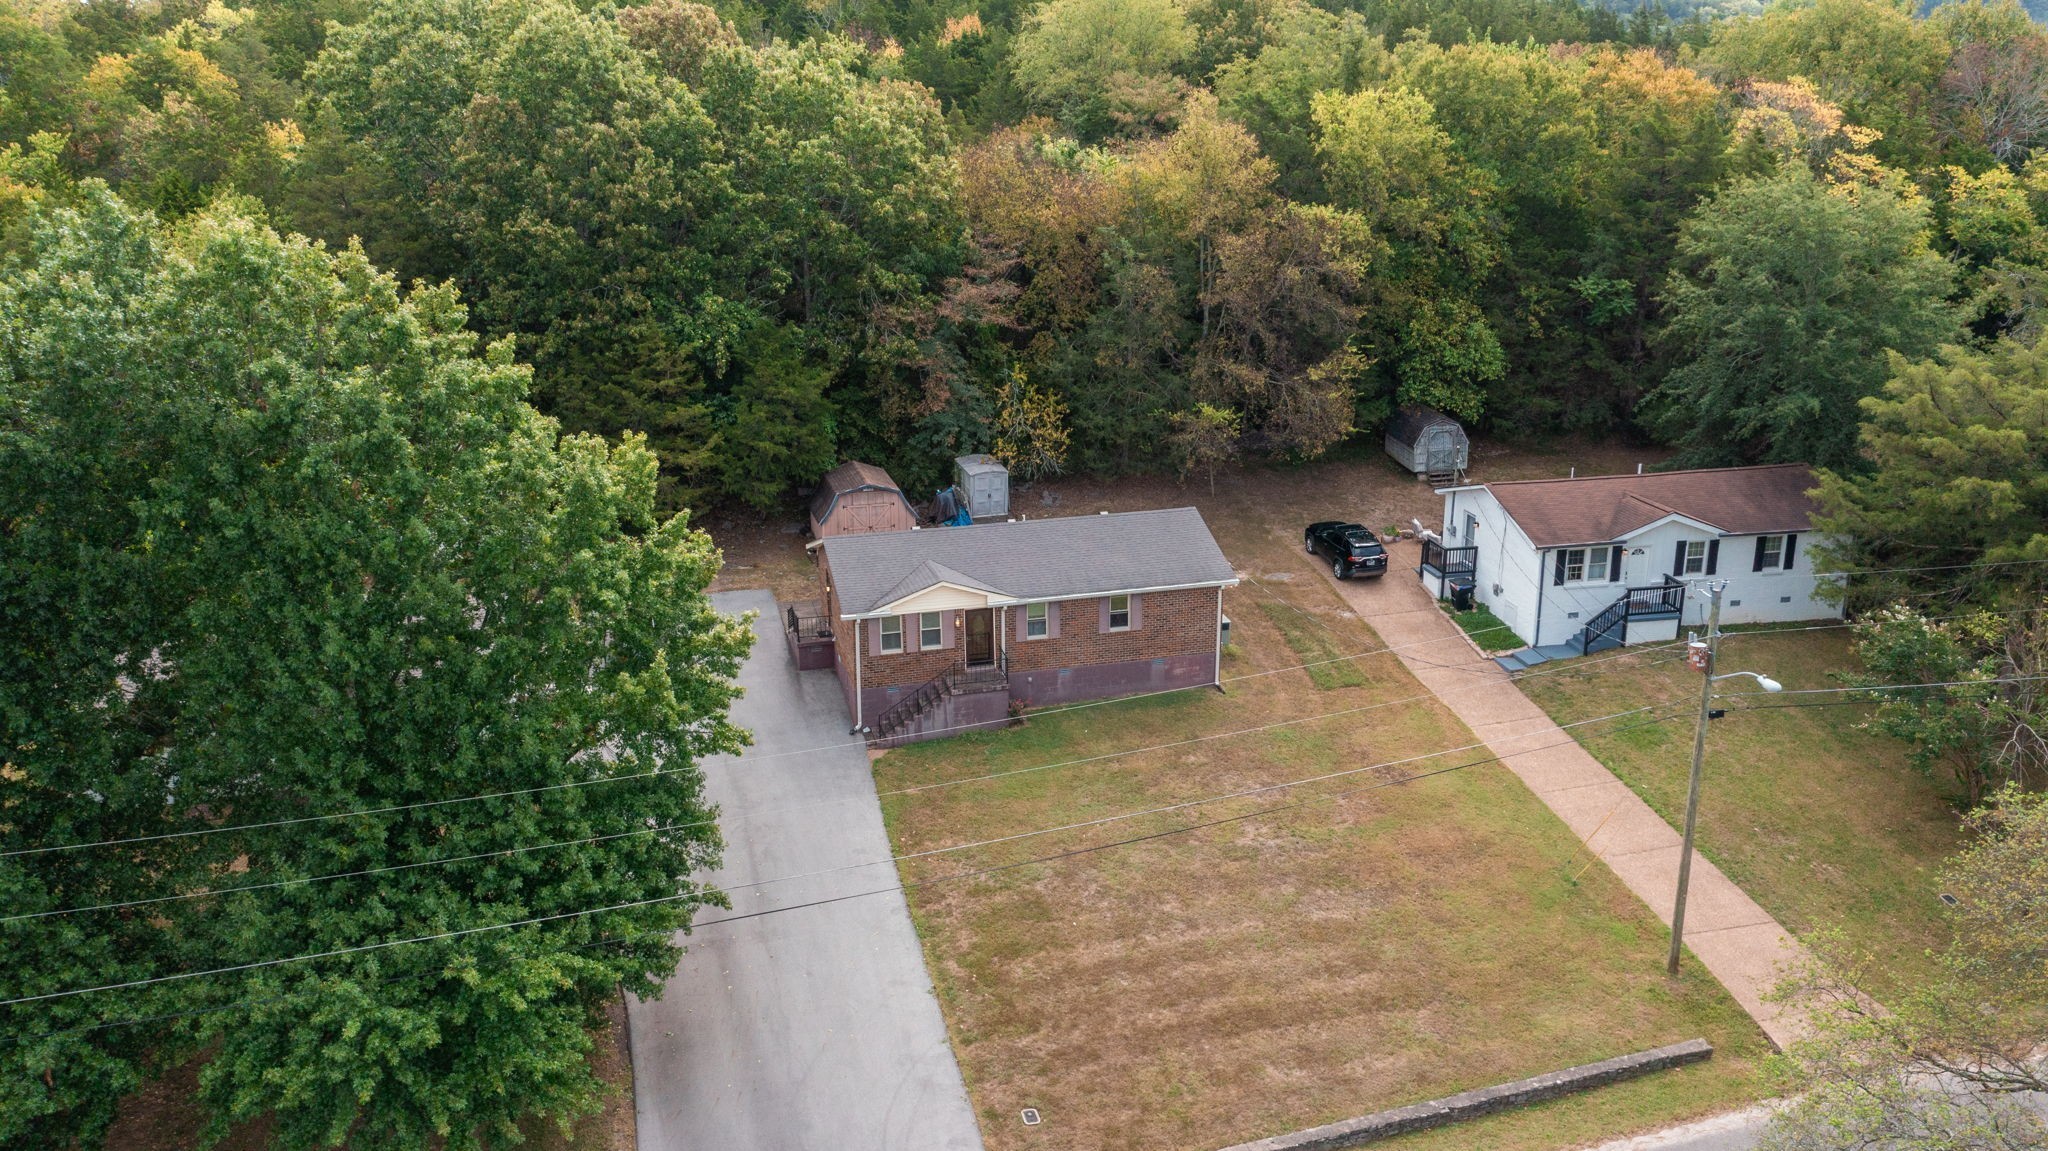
(1735, 1131)
(817, 1028)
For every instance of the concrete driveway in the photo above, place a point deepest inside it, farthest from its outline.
(811, 1029)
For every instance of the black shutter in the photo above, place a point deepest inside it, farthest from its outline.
(1678, 561)
(1788, 551)
(1759, 564)
(1713, 555)
(1557, 579)
(1614, 566)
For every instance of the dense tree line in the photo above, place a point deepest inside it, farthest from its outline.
(769, 235)
(278, 528)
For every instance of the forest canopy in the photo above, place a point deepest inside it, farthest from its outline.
(768, 235)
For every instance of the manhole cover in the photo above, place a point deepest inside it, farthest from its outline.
(1031, 1117)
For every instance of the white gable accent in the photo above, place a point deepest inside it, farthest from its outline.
(1700, 526)
(938, 597)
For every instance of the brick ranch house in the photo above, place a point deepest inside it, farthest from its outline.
(940, 630)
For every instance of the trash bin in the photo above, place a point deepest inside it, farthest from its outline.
(1461, 594)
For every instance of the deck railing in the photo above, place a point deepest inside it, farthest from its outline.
(1450, 561)
(1666, 597)
(805, 626)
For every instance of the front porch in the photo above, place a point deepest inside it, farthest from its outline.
(1648, 614)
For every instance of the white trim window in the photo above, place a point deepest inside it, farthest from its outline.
(1036, 623)
(1119, 613)
(1585, 565)
(1770, 553)
(892, 634)
(928, 635)
(1695, 560)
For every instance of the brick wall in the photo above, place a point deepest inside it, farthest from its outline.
(1173, 644)
(1171, 623)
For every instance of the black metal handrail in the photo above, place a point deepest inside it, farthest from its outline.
(911, 706)
(806, 626)
(1450, 561)
(1666, 597)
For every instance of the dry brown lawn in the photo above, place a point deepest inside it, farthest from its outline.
(1258, 976)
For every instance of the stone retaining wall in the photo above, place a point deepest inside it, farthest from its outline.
(1470, 1104)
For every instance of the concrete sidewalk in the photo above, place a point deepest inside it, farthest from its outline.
(1734, 938)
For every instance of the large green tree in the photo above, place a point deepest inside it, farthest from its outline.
(1945, 1066)
(282, 545)
(1790, 292)
(1955, 476)
(1105, 65)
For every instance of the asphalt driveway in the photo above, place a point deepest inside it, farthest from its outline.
(816, 1028)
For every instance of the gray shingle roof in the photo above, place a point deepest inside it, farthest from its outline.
(1044, 559)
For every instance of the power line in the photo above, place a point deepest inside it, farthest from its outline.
(658, 772)
(461, 932)
(1887, 687)
(633, 904)
(395, 808)
(236, 890)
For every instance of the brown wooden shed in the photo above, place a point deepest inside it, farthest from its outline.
(856, 497)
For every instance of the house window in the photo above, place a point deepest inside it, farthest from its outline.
(1694, 561)
(1119, 613)
(1035, 623)
(1770, 552)
(928, 631)
(892, 633)
(1585, 564)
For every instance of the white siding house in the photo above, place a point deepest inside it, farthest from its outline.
(1578, 565)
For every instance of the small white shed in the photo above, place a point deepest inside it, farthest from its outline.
(985, 483)
(1429, 443)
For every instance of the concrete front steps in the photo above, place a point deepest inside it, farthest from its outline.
(1529, 657)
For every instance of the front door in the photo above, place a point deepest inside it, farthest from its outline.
(981, 636)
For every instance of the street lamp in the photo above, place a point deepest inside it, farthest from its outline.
(1699, 755)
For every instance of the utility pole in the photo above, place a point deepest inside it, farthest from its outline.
(1699, 755)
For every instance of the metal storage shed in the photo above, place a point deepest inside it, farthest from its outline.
(986, 484)
(856, 497)
(1429, 443)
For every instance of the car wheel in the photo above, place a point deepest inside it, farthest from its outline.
(1337, 569)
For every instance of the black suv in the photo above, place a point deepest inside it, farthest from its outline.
(1352, 549)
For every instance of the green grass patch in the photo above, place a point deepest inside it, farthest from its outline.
(1313, 643)
(1818, 818)
(1485, 628)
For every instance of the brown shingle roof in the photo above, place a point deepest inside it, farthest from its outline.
(1599, 509)
(851, 476)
